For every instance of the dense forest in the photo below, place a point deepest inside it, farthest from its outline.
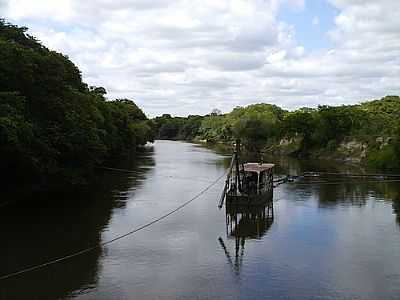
(368, 132)
(53, 127)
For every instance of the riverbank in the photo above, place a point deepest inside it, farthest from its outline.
(367, 133)
(374, 152)
(351, 153)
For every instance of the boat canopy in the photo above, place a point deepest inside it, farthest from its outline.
(257, 168)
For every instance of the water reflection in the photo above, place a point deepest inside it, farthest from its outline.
(42, 227)
(343, 193)
(244, 222)
(346, 247)
(353, 192)
(396, 208)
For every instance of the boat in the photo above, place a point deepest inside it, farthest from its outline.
(247, 183)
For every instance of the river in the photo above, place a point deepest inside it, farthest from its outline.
(337, 239)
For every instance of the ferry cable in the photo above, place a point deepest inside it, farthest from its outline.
(379, 178)
(383, 178)
(345, 182)
(341, 174)
(120, 170)
(133, 231)
(7, 203)
(163, 176)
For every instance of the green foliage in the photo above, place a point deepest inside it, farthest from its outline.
(334, 123)
(190, 128)
(396, 145)
(255, 125)
(384, 158)
(383, 115)
(318, 129)
(300, 122)
(177, 128)
(216, 128)
(52, 126)
(270, 111)
(254, 130)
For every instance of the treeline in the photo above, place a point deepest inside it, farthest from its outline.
(305, 132)
(53, 127)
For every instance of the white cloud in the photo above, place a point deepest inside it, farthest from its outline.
(3, 5)
(188, 57)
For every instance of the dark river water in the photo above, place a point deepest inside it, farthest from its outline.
(329, 238)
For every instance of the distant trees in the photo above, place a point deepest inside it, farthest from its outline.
(254, 131)
(256, 125)
(53, 128)
(177, 128)
(215, 112)
(325, 127)
(300, 123)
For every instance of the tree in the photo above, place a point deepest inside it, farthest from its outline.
(53, 128)
(300, 123)
(215, 112)
(254, 131)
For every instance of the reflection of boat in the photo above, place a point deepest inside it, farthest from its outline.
(247, 183)
(243, 223)
(249, 222)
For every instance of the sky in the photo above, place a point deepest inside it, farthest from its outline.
(191, 56)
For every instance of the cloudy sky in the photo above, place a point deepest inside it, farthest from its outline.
(190, 56)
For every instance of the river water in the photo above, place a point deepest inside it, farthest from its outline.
(329, 239)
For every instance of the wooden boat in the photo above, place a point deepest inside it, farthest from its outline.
(247, 183)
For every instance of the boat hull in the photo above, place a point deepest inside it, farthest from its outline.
(248, 200)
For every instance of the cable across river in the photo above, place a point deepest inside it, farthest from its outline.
(133, 231)
(287, 179)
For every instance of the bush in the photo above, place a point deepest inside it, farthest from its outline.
(385, 158)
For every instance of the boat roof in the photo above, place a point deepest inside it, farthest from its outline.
(257, 167)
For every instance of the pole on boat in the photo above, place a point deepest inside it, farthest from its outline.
(238, 185)
(228, 177)
(237, 179)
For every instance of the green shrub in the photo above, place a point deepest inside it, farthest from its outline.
(385, 158)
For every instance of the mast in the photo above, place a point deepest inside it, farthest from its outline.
(238, 182)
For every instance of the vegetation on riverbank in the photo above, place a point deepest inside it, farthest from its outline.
(368, 132)
(53, 127)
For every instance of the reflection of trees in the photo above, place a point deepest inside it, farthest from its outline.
(350, 191)
(245, 223)
(57, 224)
(396, 207)
(346, 194)
(353, 192)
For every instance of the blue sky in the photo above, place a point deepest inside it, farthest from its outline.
(312, 22)
(191, 56)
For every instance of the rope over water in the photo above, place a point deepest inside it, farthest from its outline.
(279, 181)
(133, 231)
(377, 178)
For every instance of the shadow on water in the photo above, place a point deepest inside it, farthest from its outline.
(48, 226)
(245, 223)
